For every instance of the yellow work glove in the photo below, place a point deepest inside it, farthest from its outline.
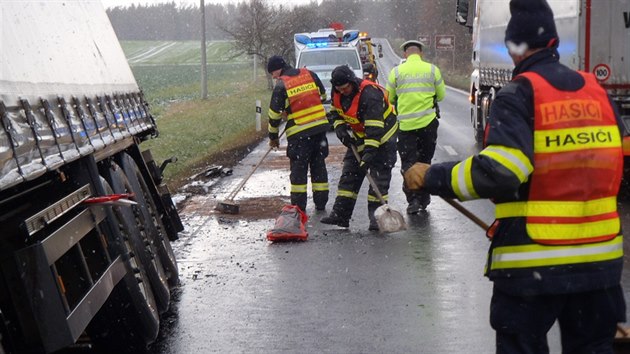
(414, 176)
(274, 143)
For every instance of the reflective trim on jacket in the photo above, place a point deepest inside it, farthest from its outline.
(576, 144)
(412, 86)
(304, 99)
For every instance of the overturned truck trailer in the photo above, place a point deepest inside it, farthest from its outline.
(85, 220)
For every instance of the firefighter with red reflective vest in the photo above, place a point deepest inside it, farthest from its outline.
(361, 106)
(552, 163)
(298, 96)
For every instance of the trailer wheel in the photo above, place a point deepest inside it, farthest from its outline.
(483, 112)
(129, 320)
(157, 231)
(138, 234)
(478, 131)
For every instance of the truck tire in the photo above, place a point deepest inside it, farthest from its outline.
(138, 235)
(156, 230)
(129, 320)
(478, 131)
(483, 112)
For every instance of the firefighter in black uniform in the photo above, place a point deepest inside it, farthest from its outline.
(298, 96)
(362, 106)
(552, 164)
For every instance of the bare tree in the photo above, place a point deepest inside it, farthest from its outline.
(260, 30)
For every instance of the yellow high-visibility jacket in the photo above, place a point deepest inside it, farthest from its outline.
(412, 87)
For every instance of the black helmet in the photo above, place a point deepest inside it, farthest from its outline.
(275, 62)
(341, 75)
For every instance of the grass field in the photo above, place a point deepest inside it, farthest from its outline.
(203, 132)
(198, 132)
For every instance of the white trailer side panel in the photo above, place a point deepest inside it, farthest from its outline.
(51, 48)
(607, 45)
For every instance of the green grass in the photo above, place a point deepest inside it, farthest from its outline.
(165, 84)
(178, 52)
(202, 132)
(196, 131)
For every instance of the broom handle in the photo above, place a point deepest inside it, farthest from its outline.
(466, 212)
(240, 185)
(369, 177)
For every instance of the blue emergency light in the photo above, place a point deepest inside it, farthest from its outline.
(321, 42)
(317, 45)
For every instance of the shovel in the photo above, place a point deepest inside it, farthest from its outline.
(228, 206)
(388, 219)
(474, 218)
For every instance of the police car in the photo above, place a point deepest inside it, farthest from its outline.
(324, 50)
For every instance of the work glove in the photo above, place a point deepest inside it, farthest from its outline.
(332, 116)
(274, 143)
(414, 176)
(367, 159)
(344, 136)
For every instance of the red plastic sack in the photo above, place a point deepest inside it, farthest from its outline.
(290, 225)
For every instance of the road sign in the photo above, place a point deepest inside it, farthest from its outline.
(445, 42)
(426, 40)
(602, 72)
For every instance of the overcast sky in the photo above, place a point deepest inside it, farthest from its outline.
(114, 3)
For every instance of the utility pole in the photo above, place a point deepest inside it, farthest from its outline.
(255, 66)
(204, 68)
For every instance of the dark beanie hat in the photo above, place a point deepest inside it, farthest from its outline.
(341, 75)
(531, 23)
(275, 62)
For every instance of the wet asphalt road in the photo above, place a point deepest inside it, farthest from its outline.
(342, 291)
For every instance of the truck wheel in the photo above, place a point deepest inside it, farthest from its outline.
(483, 112)
(476, 126)
(138, 235)
(129, 320)
(156, 229)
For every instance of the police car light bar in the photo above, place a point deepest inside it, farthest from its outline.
(316, 40)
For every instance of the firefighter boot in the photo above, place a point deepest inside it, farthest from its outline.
(373, 224)
(414, 206)
(425, 200)
(335, 219)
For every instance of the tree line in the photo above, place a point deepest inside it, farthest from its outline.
(262, 29)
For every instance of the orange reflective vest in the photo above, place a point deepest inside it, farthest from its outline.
(351, 115)
(304, 98)
(578, 164)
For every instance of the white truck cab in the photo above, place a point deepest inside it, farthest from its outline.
(593, 38)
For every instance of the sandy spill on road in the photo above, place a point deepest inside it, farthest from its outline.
(251, 208)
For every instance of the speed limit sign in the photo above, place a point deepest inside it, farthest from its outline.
(602, 72)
